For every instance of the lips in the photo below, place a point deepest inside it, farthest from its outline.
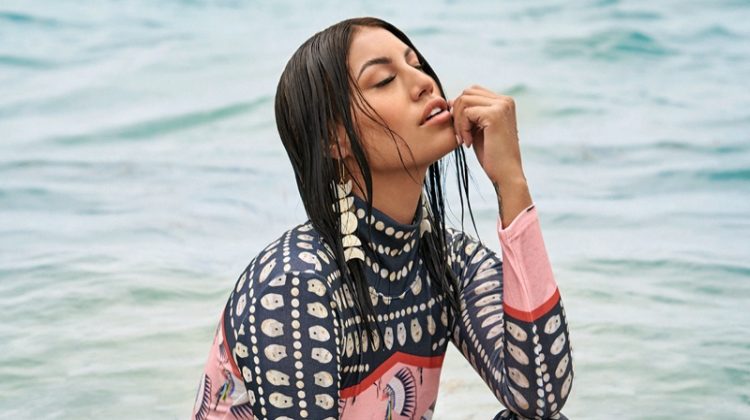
(432, 104)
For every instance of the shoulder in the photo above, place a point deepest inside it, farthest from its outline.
(466, 253)
(461, 244)
(297, 255)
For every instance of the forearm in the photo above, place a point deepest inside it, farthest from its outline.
(513, 195)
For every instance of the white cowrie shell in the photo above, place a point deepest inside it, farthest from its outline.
(520, 400)
(488, 299)
(266, 271)
(388, 338)
(322, 255)
(558, 344)
(316, 286)
(494, 331)
(518, 354)
(416, 330)
(240, 350)
(276, 377)
(401, 333)
(272, 327)
(566, 385)
(241, 302)
(277, 399)
(319, 333)
(310, 258)
(349, 345)
(275, 352)
(322, 355)
(490, 320)
(487, 286)
(278, 281)
(375, 341)
(552, 324)
(317, 310)
(560, 371)
(323, 379)
(488, 309)
(272, 301)
(518, 377)
(517, 332)
(324, 400)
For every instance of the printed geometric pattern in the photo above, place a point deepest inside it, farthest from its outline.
(289, 345)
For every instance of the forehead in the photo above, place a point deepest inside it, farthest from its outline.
(371, 42)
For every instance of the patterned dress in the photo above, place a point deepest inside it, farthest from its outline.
(288, 346)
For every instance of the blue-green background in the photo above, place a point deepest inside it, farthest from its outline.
(140, 171)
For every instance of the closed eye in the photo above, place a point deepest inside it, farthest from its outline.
(390, 79)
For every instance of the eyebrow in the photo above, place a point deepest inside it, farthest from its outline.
(380, 60)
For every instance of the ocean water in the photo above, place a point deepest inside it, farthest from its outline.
(140, 171)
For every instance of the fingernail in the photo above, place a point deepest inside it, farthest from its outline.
(458, 141)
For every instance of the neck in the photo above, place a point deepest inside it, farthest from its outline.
(396, 195)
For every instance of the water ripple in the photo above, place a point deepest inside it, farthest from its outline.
(609, 45)
(144, 130)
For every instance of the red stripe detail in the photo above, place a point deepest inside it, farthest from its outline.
(409, 359)
(534, 313)
(230, 356)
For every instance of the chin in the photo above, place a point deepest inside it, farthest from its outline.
(442, 146)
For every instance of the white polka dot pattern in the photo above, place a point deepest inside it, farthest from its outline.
(291, 345)
(514, 357)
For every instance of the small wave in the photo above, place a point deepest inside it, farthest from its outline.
(38, 21)
(636, 153)
(570, 111)
(635, 15)
(25, 62)
(610, 45)
(660, 268)
(708, 174)
(23, 18)
(165, 125)
(717, 31)
(425, 31)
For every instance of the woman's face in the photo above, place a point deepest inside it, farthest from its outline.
(388, 75)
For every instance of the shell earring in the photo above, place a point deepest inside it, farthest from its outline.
(424, 225)
(350, 241)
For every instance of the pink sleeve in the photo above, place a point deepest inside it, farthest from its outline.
(530, 289)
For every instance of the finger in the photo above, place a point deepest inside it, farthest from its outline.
(471, 122)
(480, 90)
(468, 100)
(461, 127)
(475, 119)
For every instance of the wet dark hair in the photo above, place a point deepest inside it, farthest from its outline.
(316, 93)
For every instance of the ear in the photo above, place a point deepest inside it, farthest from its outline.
(343, 144)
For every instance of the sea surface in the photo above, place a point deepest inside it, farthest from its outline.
(141, 170)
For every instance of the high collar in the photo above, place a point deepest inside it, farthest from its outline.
(391, 252)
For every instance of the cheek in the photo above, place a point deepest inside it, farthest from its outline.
(392, 114)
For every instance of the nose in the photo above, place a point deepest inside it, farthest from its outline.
(423, 84)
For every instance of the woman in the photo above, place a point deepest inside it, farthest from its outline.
(349, 314)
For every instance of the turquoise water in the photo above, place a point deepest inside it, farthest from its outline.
(140, 171)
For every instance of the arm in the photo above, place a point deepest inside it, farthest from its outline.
(512, 328)
(283, 337)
